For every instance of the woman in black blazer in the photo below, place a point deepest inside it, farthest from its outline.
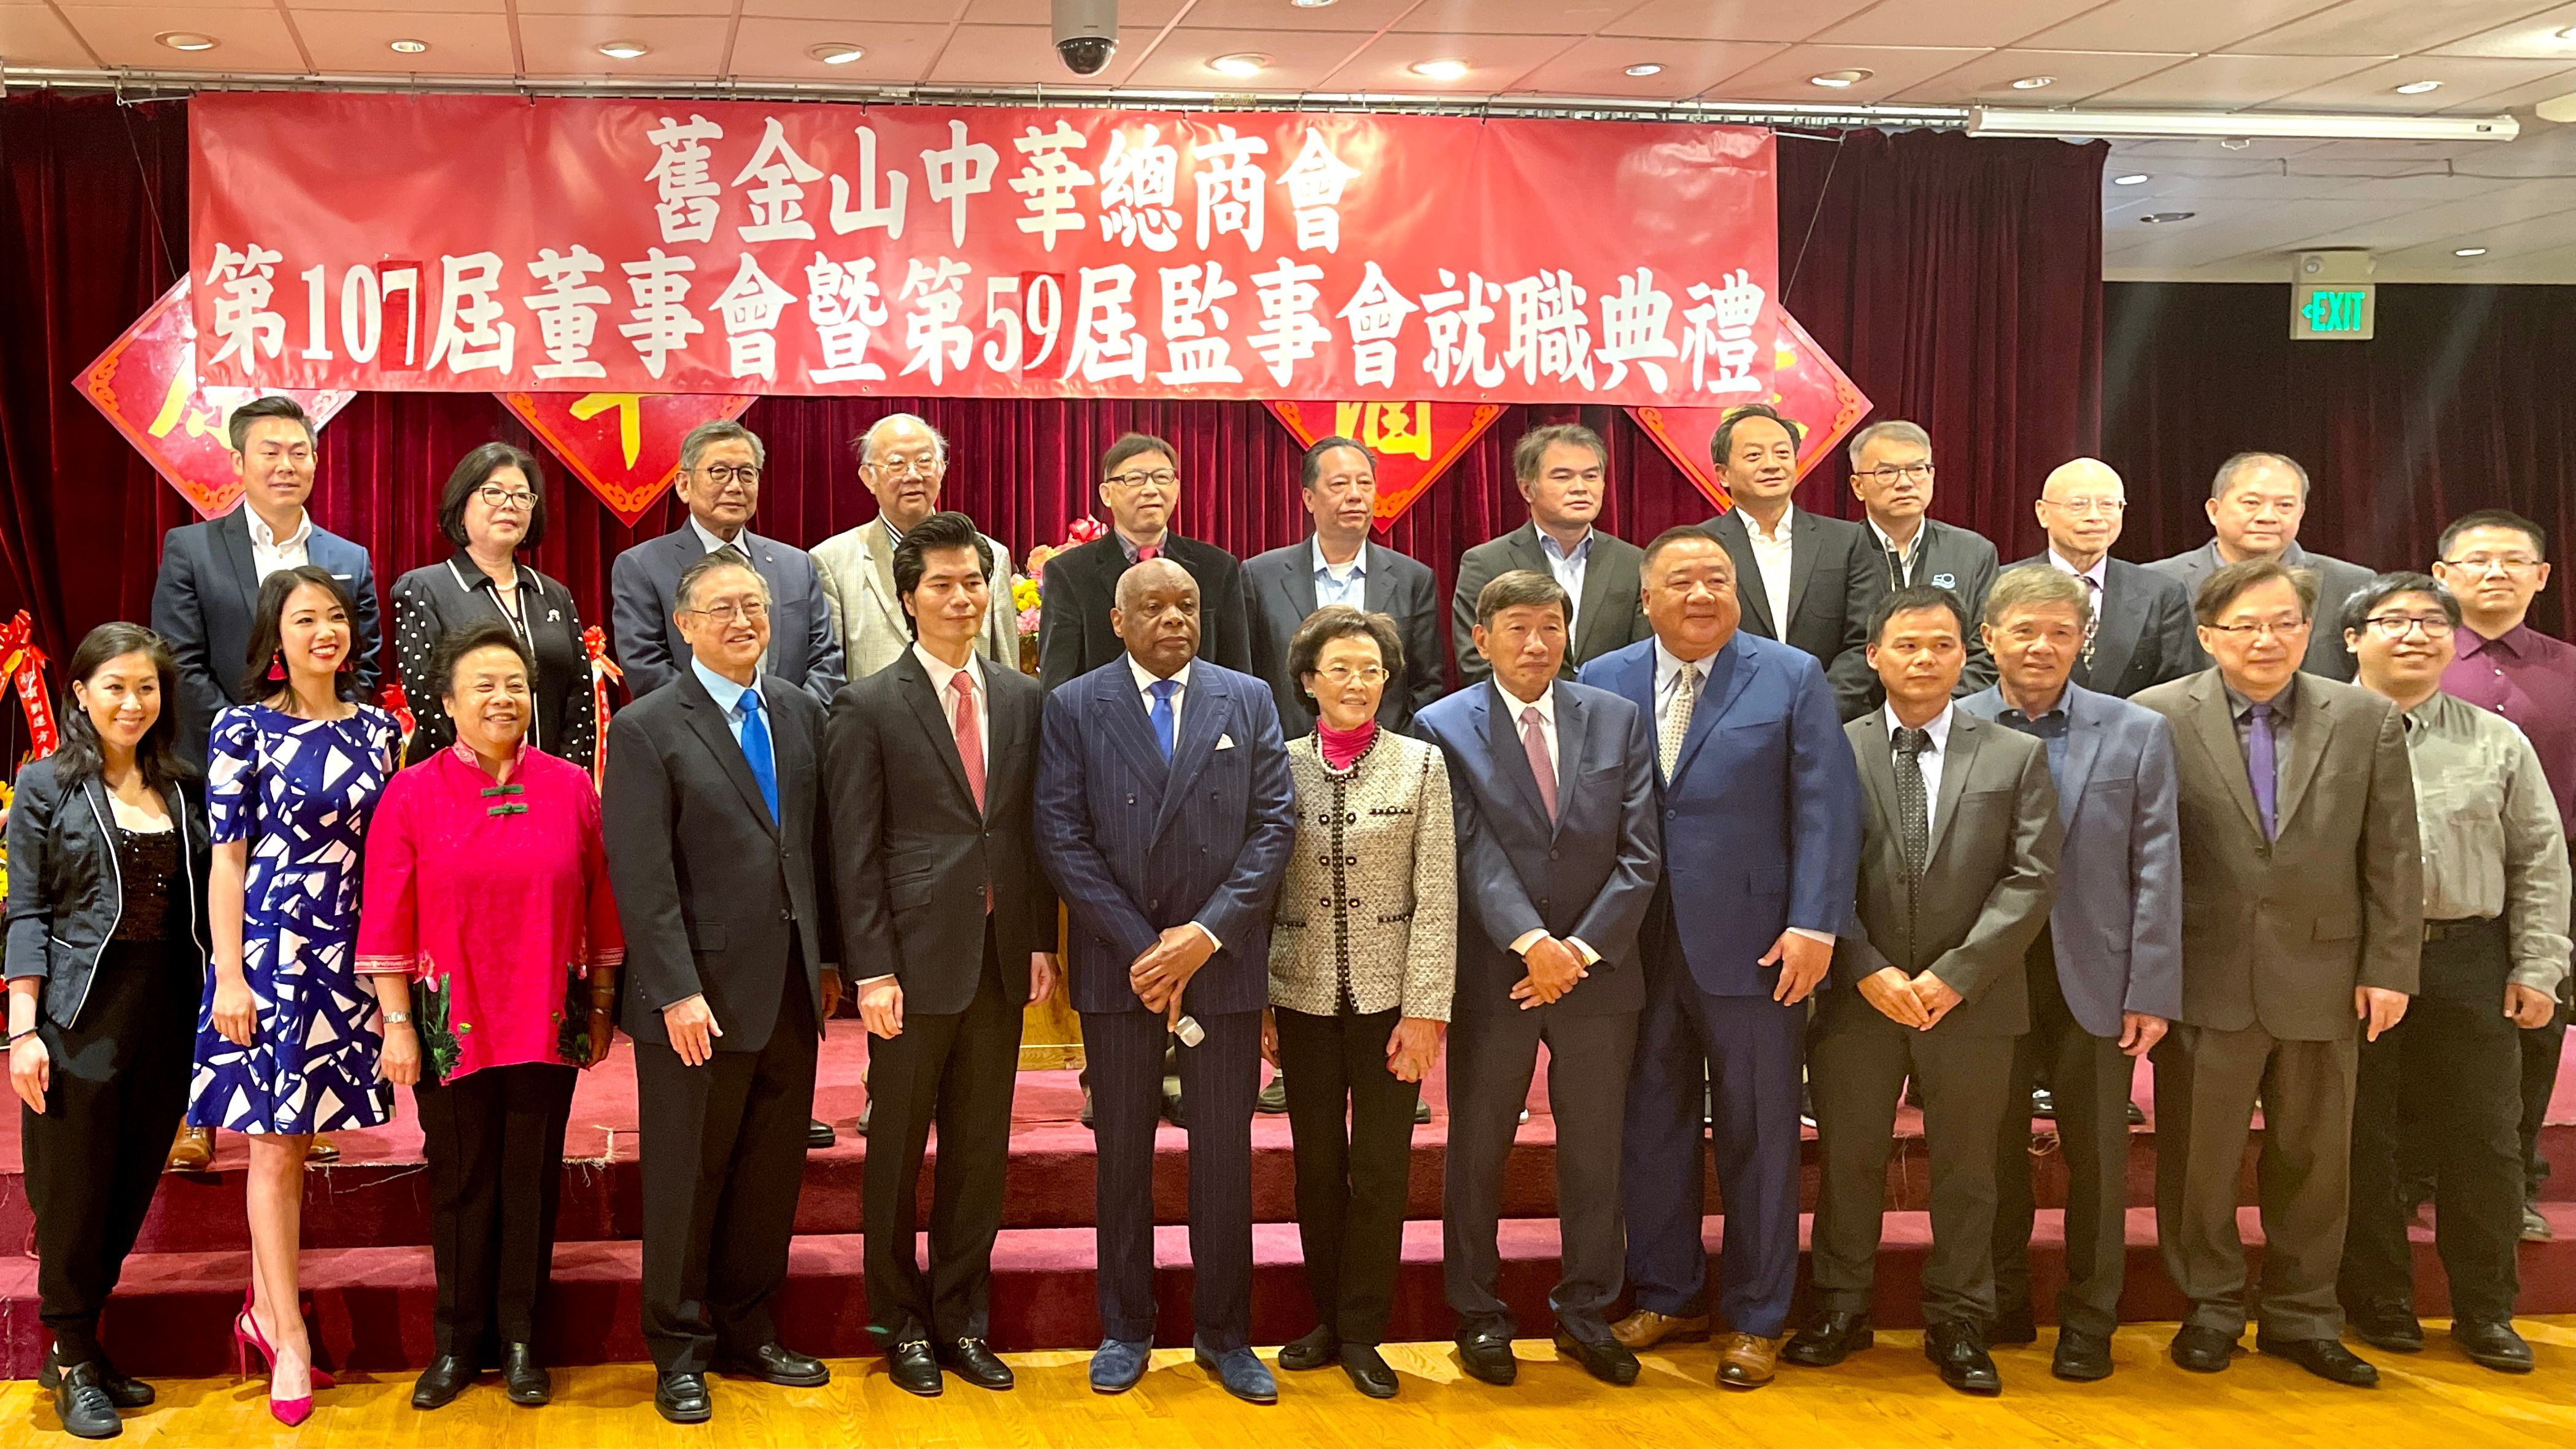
(494, 506)
(106, 961)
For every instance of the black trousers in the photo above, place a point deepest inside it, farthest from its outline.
(2541, 1046)
(494, 1140)
(93, 1159)
(724, 1158)
(1350, 1183)
(2460, 1060)
(2090, 1077)
(958, 1069)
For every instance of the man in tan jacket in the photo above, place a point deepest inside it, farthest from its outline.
(903, 460)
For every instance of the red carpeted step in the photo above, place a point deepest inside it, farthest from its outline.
(371, 1307)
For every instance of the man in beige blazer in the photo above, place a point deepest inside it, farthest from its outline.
(2303, 906)
(903, 460)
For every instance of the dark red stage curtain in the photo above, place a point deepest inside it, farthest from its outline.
(1954, 280)
(2461, 400)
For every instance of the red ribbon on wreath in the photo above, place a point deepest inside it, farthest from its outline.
(24, 664)
(594, 642)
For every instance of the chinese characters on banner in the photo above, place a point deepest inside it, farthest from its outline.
(1806, 387)
(733, 248)
(1411, 443)
(146, 384)
(624, 446)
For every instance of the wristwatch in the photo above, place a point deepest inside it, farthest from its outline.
(397, 1018)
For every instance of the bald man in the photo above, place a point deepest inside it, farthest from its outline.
(2142, 631)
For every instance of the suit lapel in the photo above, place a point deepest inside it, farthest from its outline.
(2115, 634)
(1379, 583)
(717, 736)
(914, 681)
(1573, 726)
(1526, 553)
(1596, 587)
(2083, 747)
(1502, 731)
(1803, 528)
(1715, 699)
(1959, 756)
(1013, 719)
(1730, 529)
(232, 539)
(2311, 735)
(1205, 708)
(1878, 778)
(881, 555)
(1298, 586)
(2213, 724)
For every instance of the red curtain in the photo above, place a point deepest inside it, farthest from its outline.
(1954, 279)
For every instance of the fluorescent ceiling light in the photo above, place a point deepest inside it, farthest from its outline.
(624, 49)
(1245, 64)
(2470, 252)
(2007, 121)
(1835, 80)
(2417, 88)
(1643, 69)
(2134, 178)
(2158, 218)
(835, 52)
(1440, 70)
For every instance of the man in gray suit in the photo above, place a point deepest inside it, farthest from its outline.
(1803, 579)
(2105, 974)
(903, 460)
(1338, 564)
(2141, 629)
(2303, 912)
(1891, 475)
(1958, 865)
(1563, 471)
(719, 483)
(2255, 503)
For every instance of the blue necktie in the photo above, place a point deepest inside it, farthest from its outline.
(756, 751)
(1161, 715)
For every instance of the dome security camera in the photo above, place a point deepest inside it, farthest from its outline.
(1086, 34)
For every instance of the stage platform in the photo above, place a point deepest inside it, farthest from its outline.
(368, 1275)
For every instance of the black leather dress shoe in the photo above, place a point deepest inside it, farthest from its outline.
(1174, 1110)
(122, 1391)
(1959, 1352)
(775, 1363)
(867, 1109)
(440, 1383)
(1609, 1360)
(682, 1398)
(523, 1378)
(915, 1369)
(80, 1400)
(1274, 1096)
(2137, 1115)
(2492, 1345)
(973, 1360)
(1368, 1370)
(1828, 1339)
(2043, 1103)
(1487, 1357)
(1315, 1348)
(2081, 1358)
(2327, 1358)
(818, 1135)
(2013, 1325)
(2202, 1350)
(2392, 1326)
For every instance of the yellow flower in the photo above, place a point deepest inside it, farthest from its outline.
(1024, 594)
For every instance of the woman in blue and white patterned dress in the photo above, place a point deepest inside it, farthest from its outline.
(288, 1037)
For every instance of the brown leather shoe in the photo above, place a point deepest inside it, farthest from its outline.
(1645, 1328)
(193, 1150)
(1746, 1362)
(321, 1149)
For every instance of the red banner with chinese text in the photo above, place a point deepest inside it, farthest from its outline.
(1411, 444)
(1807, 388)
(625, 447)
(502, 244)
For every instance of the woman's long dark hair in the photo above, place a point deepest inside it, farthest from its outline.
(81, 757)
(268, 634)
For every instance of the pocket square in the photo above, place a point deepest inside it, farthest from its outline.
(1225, 742)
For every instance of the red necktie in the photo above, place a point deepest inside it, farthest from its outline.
(1145, 551)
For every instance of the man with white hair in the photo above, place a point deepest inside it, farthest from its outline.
(2256, 501)
(2141, 632)
(904, 462)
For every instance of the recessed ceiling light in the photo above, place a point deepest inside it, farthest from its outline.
(835, 52)
(2470, 252)
(2417, 88)
(185, 40)
(1837, 79)
(1244, 64)
(2134, 178)
(2160, 218)
(407, 47)
(1644, 68)
(2034, 82)
(1439, 70)
(623, 49)
(1310, 4)
(2236, 143)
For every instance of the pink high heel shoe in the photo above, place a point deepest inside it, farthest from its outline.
(248, 1340)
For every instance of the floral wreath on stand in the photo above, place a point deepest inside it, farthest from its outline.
(1028, 592)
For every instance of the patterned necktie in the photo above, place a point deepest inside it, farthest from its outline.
(2262, 765)
(1542, 769)
(756, 751)
(1677, 718)
(970, 735)
(2092, 621)
(1914, 830)
(1161, 715)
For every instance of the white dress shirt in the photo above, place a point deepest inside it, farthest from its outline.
(1771, 559)
(1345, 583)
(1145, 682)
(268, 553)
(1929, 761)
(940, 673)
(710, 543)
(1545, 704)
(1568, 569)
(2097, 576)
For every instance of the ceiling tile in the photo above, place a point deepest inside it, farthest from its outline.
(774, 49)
(614, 9)
(1596, 67)
(2232, 81)
(855, 15)
(2466, 80)
(1497, 62)
(1366, 16)
(2179, 149)
(1299, 59)
(1987, 22)
(2194, 25)
(2516, 98)
(2079, 73)
(1733, 19)
(1566, 18)
(1785, 76)
(400, 7)
(2526, 37)
(34, 35)
(2385, 227)
(2378, 27)
(560, 45)
(1132, 14)
(1024, 55)
(356, 40)
(247, 40)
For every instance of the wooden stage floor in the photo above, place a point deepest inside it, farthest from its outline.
(1887, 1396)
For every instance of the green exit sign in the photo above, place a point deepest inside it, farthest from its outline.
(2332, 311)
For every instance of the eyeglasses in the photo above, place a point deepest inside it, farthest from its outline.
(1342, 676)
(1887, 473)
(1161, 478)
(2088, 507)
(750, 612)
(908, 467)
(721, 474)
(2268, 629)
(496, 496)
(2394, 626)
(2512, 563)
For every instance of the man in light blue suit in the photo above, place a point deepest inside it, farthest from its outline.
(1761, 807)
(1165, 815)
(2105, 975)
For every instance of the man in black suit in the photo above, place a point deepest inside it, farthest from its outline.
(2256, 503)
(1140, 482)
(933, 769)
(1339, 565)
(716, 845)
(2141, 632)
(1563, 472)
(1803, 579)
(1891, 475)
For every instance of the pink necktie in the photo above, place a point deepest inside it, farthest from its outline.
(970, 736)
(1145, 551)
(1541, 768)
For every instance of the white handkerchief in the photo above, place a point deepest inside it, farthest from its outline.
(1225, 742)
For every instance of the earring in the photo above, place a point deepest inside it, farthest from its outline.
(277, 668)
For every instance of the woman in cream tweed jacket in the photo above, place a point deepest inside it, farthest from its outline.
(1363, 954)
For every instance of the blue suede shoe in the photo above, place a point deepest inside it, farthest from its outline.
(1116, 1365)
(1242, 1372)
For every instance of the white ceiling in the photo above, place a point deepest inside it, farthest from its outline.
(2414, 203)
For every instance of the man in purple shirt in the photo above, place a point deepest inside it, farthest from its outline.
(2496, 563)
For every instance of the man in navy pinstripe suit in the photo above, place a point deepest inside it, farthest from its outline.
(1165, 815)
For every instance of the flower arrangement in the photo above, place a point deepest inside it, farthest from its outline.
(1028, 592)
